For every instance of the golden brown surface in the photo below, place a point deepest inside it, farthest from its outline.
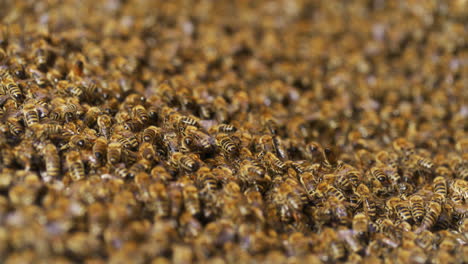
(233, 131)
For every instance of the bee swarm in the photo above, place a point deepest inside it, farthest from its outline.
(290, 131)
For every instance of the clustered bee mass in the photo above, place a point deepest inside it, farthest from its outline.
(233, 131)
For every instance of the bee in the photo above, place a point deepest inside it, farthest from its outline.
(121, 171)
(147, 151)
(425, 240)
(417, 207)
(76, 141)
(152, 134)
(71, 88)
(159, 173)
(403, 147)
(65, 112)
(15, 126)
(31, 114)
(224, 128)
(430, 218)
(273, 163)
(337, 251)
(100, 148)
(343, 182)
(176, 198)
(140, 113)
(370, 207)
(128, 140)
(75, 165)
(360, 224)
(365, 158)
(104, 123)
(185, 162)
(206, 179)
(424, 164)
(401, 208)
(49, 129)
(329, 160)
(89, 89)
(91, 116)
(279, 148)
(354, 177)
(461, 171)
(250, 172)
(191, 200)
(440, 186)
(114, 152)
(13, 90)
(378, 174)
(334, 192)
(183, 121)
(354, 201)
(226, 144)
(158, 194)
(41, 58)
(52, 160)
(140, 166)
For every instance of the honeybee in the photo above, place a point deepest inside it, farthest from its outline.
(76, 142)
(401, 208)
(31, 114)
(344, 182)
(52, 160)
(140, 113)
(75, 165)
(422, 163)
(13, 90)
(274, 164)
(152, 134)
(430, 218)
(142, 165)
(440, 186)
(365, 158)
(417, 207)
(360, 224)
(147, 151)
(91, 116)
(114, 152)
(185, 162)
(104, 123)
(159, 173)
(223, 128)
(206, 179)
(337, 251)
(15, 126)
(461, 171)
(378, 174)
(100, 148)
(250, 172)
(191, 200)
(403, 147)
(128, 140)
(334, 192)
(49, 129)
(121, 171)
(354, 177)
(177, 199)
(158, 193)
(226, 144)
(370, 207)
(182, 122)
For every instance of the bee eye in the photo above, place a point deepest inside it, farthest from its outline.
(80, 143)
(381, 179)
(188, 141)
